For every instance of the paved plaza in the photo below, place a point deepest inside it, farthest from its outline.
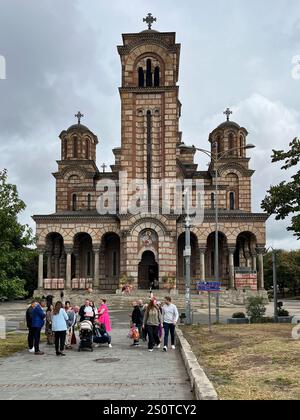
(119, 373)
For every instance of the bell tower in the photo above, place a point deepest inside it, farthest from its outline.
(150, 107)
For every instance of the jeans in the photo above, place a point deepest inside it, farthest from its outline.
(30, 338)
(60, 339)
(153, 338)
(169, 328)
(37, 338)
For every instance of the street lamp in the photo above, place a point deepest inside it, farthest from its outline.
(275, 286)
(215, 157)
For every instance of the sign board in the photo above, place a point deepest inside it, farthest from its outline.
(246, 281)
(208, 286)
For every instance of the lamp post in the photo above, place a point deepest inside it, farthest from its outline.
(187, 261)
(215, 157)
(275, 285)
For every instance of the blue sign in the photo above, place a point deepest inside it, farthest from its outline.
(208, 286)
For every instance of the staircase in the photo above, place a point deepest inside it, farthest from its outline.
(227, 298)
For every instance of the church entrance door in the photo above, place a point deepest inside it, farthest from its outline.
(148, 271)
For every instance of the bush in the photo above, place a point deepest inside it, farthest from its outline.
(282, 312)
(255, 308)
(239, 315)
(12, 288)
(263, 320)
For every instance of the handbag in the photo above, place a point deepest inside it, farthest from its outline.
(73, 338)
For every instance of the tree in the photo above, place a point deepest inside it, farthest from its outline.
(283, 200)
(287, 269)
(15, 239)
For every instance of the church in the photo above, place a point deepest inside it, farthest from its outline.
(81, 248)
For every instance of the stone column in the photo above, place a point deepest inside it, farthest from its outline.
(41, 269)
(68, 284)
(202, 263)
(254, 261)
(49, 274)
(261, 282)
(96, 267)
(231, 251)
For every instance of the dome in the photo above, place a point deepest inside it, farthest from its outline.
(229, 124)
(78, 127)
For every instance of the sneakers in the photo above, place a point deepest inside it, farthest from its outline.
(39, 353)
(165, 348)
(158, 346)
(110, 346)
(31, 350)
(173, 347)
(151, 350)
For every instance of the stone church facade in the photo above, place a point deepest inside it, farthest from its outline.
(80, 248)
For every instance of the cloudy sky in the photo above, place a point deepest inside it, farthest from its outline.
(61, 57)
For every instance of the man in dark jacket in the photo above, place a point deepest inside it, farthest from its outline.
(30, 337)
(38, 317)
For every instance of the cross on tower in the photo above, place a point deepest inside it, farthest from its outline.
(228, 112)
(149, 20)
(79, 115)
(103, 166)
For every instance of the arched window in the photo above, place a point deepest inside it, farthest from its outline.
(231, 201)
(89, 201)
(212, 201)
(149, 82)
(231, 144)
(75, 147)
(87, 149)
(89, 264)
(156, 76)
(64, 149)
(141, 77)
(241, 151)
(74, 202)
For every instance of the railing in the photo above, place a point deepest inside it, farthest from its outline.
(54, 284)
(82, 284)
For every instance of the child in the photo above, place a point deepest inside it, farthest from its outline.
(101, 336)
(137, 321)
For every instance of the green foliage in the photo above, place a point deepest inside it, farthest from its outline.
(255, 308)
(15, 239)
(12, 288)
(287, 268)
(239, 315)
(283, 200)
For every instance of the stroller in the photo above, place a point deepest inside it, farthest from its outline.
(86, 335)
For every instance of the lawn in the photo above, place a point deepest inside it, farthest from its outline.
(253, 362)
(12, 344)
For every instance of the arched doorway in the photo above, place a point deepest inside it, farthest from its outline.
(148, 275)
(82, 258)
(223, 258)
(56, 256)
(109, 266)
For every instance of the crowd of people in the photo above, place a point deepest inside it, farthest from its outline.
(60, 321)
(152, 322)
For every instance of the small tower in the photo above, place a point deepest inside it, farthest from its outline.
(228, 143)
(77, 168)
(78, 142)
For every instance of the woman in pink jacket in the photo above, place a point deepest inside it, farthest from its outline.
(104, 315)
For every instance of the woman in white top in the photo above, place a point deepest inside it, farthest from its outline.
(59, 327)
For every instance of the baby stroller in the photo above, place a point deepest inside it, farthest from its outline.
(86, 335)
(100, 335)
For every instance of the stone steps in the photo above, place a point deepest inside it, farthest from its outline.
(124, 302)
